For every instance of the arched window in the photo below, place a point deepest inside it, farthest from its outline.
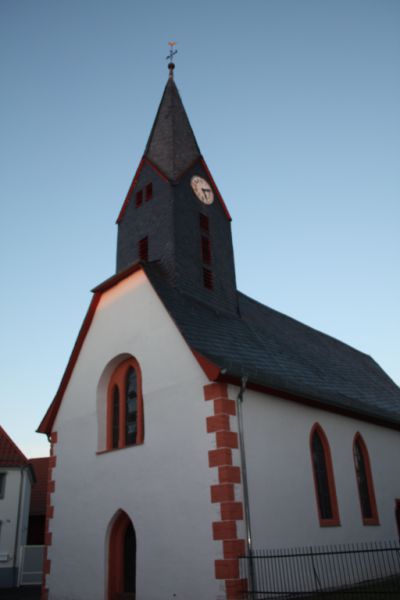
(364, 482)
(323, 478)
(125, 425)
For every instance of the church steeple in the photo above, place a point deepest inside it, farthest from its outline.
(172, 146)
(174, 214)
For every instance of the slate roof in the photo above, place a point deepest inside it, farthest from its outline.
(39, 488)
(172, 146)
(10, 454)
(277, 352)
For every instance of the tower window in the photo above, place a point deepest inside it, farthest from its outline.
(206, 250)
(149, 191)
(139, 198)
(144, 249)
(204, 223)
(208, 279)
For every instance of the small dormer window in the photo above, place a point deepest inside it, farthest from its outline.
(149, 191)
(139, 198)
(144, 249)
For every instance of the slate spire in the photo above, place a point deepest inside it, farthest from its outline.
(166, 219)
(172, 146)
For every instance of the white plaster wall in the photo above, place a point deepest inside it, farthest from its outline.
(9, 506)
(163, 484)
(282, 494)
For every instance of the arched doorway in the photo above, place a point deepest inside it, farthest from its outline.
(122, 559)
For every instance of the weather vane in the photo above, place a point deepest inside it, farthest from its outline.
(170, 57)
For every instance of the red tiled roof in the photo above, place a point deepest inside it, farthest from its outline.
(39, 488)
(10, 454)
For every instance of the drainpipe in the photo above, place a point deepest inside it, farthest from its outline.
(16, 547)
(239, 403)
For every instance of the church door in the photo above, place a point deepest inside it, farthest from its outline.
(122, 559)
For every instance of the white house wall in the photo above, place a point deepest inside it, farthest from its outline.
(281, 486)
(163, 485)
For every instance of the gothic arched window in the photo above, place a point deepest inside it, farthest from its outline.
(364, 482)
(125, 424)
(323, 478)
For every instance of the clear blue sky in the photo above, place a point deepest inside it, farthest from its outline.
(295, 106)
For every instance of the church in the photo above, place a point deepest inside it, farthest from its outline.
(193, 424)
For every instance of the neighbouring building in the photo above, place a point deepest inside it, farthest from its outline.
(16, 478)
(147, 493)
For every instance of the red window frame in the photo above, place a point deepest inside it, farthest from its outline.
(334, 521)
(374, 518)
(119, 379)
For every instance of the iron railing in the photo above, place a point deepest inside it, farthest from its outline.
(352, 571)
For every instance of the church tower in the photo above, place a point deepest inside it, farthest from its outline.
(175, 215)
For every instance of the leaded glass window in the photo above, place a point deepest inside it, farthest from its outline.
(365, 484)
(125, 420)
(321, 477)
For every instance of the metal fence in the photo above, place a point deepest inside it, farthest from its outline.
(351, 571)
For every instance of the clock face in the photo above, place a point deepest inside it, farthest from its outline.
(202, 189)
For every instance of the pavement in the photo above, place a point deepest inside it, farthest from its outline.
(25, 592)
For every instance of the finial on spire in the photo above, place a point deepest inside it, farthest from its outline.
(170, 57)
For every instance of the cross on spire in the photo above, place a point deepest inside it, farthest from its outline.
(170, 57)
